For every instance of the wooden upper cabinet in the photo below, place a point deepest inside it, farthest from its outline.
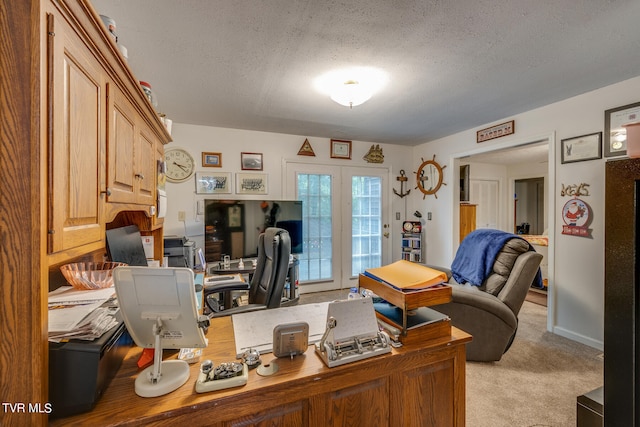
(75, 139)
(102, 134)
(145, 165)
(121, 136)
(132, 153)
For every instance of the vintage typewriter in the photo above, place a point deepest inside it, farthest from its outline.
(352, 333)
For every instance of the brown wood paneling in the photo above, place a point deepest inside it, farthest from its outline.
(304, 391)
(23, 347)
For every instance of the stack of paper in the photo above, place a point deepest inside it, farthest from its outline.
(407, 276)
(80, 314)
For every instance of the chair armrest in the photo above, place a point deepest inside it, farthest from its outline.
(439, 268)
(472, 296)
(226, 287)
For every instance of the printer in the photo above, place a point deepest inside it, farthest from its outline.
(79, 370)
(179, 251)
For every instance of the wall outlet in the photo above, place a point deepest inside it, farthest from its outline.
(181, 215)
(397, 216)
(429, 216)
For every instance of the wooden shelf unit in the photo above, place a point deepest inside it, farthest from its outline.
(407, 301)
(467, 219)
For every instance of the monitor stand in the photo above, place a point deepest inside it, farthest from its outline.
(161, 377)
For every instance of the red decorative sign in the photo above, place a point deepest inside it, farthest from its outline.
(576, 215)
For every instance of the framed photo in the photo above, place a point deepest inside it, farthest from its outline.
(251, 161)
(234, 216)
(252, 183)
(340, 149)
(579, 148)
(212, 160)
(615, 134)
(496, 131)
(213, 183)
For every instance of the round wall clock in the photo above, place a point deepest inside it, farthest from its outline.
(179, 163)
(429, 177)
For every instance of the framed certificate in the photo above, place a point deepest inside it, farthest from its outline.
(615, 134)
(340, 149)
(579, 148)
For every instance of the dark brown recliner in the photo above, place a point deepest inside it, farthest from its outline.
(490, 312)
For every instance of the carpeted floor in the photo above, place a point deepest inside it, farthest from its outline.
(536, 382)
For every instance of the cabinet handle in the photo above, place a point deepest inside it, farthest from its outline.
(139, 175)
(107, 192)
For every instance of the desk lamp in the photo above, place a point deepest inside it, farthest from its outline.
(159, 309)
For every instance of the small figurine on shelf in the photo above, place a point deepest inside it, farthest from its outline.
(241, 264)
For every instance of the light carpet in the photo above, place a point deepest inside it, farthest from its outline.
(536, 382)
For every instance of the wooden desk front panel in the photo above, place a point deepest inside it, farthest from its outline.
(428, 380)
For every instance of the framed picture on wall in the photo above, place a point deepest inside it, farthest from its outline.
(213, 183)
(579, 148)
(340, 149)
(251, 161)
(615, 134)
(252, 183)
(212, 160)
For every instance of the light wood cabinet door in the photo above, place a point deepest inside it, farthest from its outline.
(145, 166)
(132, 153)
(75, 139)
(121, 137)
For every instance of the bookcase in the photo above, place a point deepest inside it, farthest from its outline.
(412, 241)
(412, 247)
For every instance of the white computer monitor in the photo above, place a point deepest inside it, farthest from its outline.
(160, 311)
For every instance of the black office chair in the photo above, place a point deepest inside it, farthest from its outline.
(267, 283)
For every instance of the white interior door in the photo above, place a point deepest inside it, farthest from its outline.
(485, 194)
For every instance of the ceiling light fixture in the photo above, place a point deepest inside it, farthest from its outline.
(351, 87)
(351, 93)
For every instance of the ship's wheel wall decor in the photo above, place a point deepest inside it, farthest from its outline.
(429, 177)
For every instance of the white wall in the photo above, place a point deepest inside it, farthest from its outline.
(576, 306)
(276, 148)
(576, 264)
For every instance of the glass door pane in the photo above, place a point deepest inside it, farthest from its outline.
(364, 220)
(316, 261)
(366, 223)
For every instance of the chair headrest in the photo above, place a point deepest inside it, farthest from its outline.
(272, 235)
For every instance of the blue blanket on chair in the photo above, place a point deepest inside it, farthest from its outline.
(477, 253)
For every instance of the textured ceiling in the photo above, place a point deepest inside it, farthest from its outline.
(452, 65)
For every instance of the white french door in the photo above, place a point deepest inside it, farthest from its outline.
(344, 210)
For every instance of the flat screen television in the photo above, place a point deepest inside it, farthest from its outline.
(232, 227)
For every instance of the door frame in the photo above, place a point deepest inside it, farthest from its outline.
(339, 206)
(550, 203)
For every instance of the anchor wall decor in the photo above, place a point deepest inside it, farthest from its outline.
(402, 178)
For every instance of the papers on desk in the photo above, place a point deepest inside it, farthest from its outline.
(254, 329)
(80, 314)
(407, 276)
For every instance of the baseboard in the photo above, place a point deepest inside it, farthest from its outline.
(599, 345)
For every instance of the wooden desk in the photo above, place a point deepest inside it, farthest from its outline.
(412, 386)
